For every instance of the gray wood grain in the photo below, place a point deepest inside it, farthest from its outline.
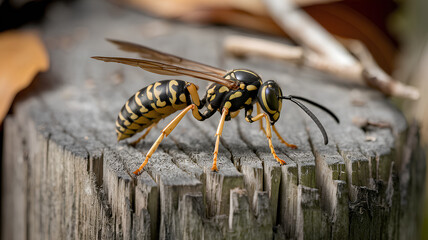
(66, 177)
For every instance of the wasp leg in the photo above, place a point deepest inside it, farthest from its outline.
(134, 143)
(199, 103)
(218, 134)
(274, 129)
(261, 121)
(282, 140)
(165, 132)
(259, 117)
(234, 114)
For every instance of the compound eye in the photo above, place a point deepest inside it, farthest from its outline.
(268, 96)
(271, 97)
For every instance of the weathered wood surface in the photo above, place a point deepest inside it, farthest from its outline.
(65, 177)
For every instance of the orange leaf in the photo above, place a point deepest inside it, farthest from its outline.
(22, 56)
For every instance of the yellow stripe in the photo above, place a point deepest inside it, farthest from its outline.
(129, 132)
(228, 105)
(152, 114)
(125, 122)
(133, 115)
(276, 116)
(172, 91)
(235, 95)
(264, 101)
(166, 110)
(137, 99)
(149, 94)
(180, 106)
(251, 88)
(223, 89)
(211, 90)
(121, 117)
(248, 71)
(121, 136)
(160, 104)
(182, 98)
(234, 114)
(143, 109)
(143, 120)
(157, 93)
(153, 106)
(249, 100)
(134, 126)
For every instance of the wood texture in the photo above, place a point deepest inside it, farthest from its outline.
(65, 177)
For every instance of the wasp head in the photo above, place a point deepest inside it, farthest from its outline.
(269, 98)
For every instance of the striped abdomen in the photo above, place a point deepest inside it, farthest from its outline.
(150, 105)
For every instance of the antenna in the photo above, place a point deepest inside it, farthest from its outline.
(307, 111)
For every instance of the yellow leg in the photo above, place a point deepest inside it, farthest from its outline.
(261, 121)
(218, 134)
(234, 114)
(144, 135)
(282, 140)
(165, 132)
(274, 129)
(259, 117)
(193, 91)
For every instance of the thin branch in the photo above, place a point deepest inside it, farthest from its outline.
(307, 32)
(303, 3)
(242, 46)
(321, 51)
(375, 77)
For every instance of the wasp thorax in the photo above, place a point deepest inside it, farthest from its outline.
(243, 75)
(269, 99)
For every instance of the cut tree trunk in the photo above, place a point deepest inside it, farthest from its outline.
(66, 177)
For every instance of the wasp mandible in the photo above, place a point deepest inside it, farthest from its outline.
(230, 92)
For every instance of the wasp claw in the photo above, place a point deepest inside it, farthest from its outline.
(214, 169)
(282, 162)
(292, 146)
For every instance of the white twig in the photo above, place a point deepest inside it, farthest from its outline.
(307, 32)
(322, 50)
(303, 3)
(243, 46)
(375, 77)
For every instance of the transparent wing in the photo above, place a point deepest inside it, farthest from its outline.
(166, 58)
(169, 69)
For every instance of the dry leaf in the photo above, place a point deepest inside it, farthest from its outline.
(22, 56)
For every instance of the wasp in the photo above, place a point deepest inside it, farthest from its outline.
(230, 92)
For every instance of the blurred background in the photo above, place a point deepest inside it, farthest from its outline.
(394, 32)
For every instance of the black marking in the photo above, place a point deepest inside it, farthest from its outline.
(245, 76)
(161, 93)
(314, 118)
(317, 105)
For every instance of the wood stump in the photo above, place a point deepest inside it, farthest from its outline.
(66, 177)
